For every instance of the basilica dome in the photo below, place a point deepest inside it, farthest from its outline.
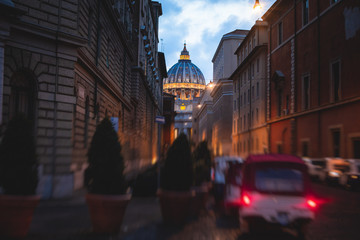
(185, 80)
(184, 71)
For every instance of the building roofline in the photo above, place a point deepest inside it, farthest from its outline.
(231, 35)
(256, 25)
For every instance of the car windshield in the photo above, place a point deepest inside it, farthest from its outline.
(279, 180)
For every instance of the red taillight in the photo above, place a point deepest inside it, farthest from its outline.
(311, 203)
(246, 199)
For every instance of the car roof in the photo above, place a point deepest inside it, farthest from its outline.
(273, 158)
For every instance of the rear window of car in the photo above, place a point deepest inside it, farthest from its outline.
(279, 180)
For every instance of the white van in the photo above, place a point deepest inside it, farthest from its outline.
(351, 179)
(333, 170)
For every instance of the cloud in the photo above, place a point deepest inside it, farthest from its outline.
(202, 23)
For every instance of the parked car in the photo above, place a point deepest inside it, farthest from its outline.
(315, 167)
(333, 170)
(220, 170)
(275, 192)
(233, 185)
(351, 179)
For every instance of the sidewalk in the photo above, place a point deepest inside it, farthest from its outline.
(69, 220)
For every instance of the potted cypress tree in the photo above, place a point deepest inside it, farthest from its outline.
(201, 168)
(104, 178)
(18, 178)
(176, 179)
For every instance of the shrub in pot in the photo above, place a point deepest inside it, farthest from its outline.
(18, 178)
(176, 180)
(202, 164)
(107, 198)
(201, 168)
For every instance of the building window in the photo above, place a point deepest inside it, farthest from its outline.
(244, 98)
(305, 148)
(257, 65)
(356, 148)
(240, 123)
(252, 117)
(280, 33)
(22, 97)
(336, 142)
(279, 148)
(249, 120)
(244, 121)
(305, 12)
(240, 99)
(257, 115)
(234, 105)
(249, 95)
(252, 92)
(335, 81)
(306, 92)
(252, 70)
(257, 89)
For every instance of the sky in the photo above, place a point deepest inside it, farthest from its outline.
(201, 24)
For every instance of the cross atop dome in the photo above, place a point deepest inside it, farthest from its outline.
(184, 53)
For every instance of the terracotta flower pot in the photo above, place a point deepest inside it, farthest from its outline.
(107, 211)
(16, 213)
(175, 206)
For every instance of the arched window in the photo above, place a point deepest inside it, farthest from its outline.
(22, 96)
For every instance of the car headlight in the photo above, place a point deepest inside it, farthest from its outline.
(334, 174)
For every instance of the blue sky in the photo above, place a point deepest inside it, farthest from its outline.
(202, 23)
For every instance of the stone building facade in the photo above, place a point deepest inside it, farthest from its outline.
(313, 78)
(224, 63)
(249, 132)
(69, 64)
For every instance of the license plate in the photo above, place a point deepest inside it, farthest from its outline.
(283, 218)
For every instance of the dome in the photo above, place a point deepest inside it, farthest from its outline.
(184, 71)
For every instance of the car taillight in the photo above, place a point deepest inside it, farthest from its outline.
(245, 199)
(311, 203)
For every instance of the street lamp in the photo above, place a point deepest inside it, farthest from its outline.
(257, 5)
